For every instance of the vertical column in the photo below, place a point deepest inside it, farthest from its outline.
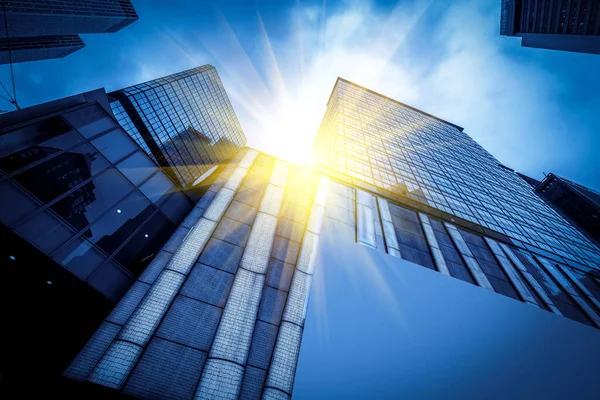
(280, 378)
(224, 370)
(365, 226)
(472, 264)
(564, 283)
(512, 274)
(532, 281)
(438, 257)
(389, 232)
(124, 351)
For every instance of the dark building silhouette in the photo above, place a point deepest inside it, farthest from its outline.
(184, 121)
(40, 30)
(555, 25)
(533, 182)
(581, 205)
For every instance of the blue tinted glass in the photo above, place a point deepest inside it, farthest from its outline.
(138, 252)
(120, 222)
(91, 120)
(157, 187)
(60, 173)
(35, 142)
(137, 167)
(115, 145)
(177, 207)
(87, 203)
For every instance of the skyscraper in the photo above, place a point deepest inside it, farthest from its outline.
(555, 25)
(34, 30)
(581, 205)
(220, 312)
(436, 166)
(83, 210)
(184, 121)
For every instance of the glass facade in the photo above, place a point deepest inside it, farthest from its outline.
(220, 312)
(392, 147)
(25, 49)
(41, 30)
(75, 186)
(59, 17)
(183, 121)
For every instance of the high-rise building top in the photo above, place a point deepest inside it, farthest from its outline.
(40, 30)
(557, 25)
(184, 121)
(394, 147)
(580, 204)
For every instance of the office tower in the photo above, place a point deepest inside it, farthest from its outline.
(183, 121)
(35, 30)
(555, 25)
(581, 205)
(25, 49)
(435, 166)
(220, 312)
(222, 309)
(83, 211)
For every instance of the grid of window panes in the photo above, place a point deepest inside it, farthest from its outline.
(392, 146)
(189, 117)
(80, 190)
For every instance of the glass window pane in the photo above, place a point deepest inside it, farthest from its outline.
(139, 251)
(46, 231)
(88, 202)
(120, 222)
(157, 187)
(80, 257)
(91, 120)
(177, 207)
(137, 167)
(59, 174)
(115, 145)
(15, 203)
(35, 142)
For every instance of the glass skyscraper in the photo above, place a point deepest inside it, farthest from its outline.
(83, 210)
(220, 312)
(404, 151)
(222, 308)
(39, 30)
(185, 122)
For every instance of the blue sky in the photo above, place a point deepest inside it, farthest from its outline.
(535, 110)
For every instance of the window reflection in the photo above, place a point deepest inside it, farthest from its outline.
(91, 120)
(138, 252)
(115, 145)
(89, 202)
(60, 173)
(157, 187)
(137, 167)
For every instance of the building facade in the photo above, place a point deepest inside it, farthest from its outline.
(581, 205)
(185, 122)
(555, 25)
(403, 151)
(49, 29)
(220, 313)
(83, 211)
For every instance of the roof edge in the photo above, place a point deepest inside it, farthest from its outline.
(460, 128)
